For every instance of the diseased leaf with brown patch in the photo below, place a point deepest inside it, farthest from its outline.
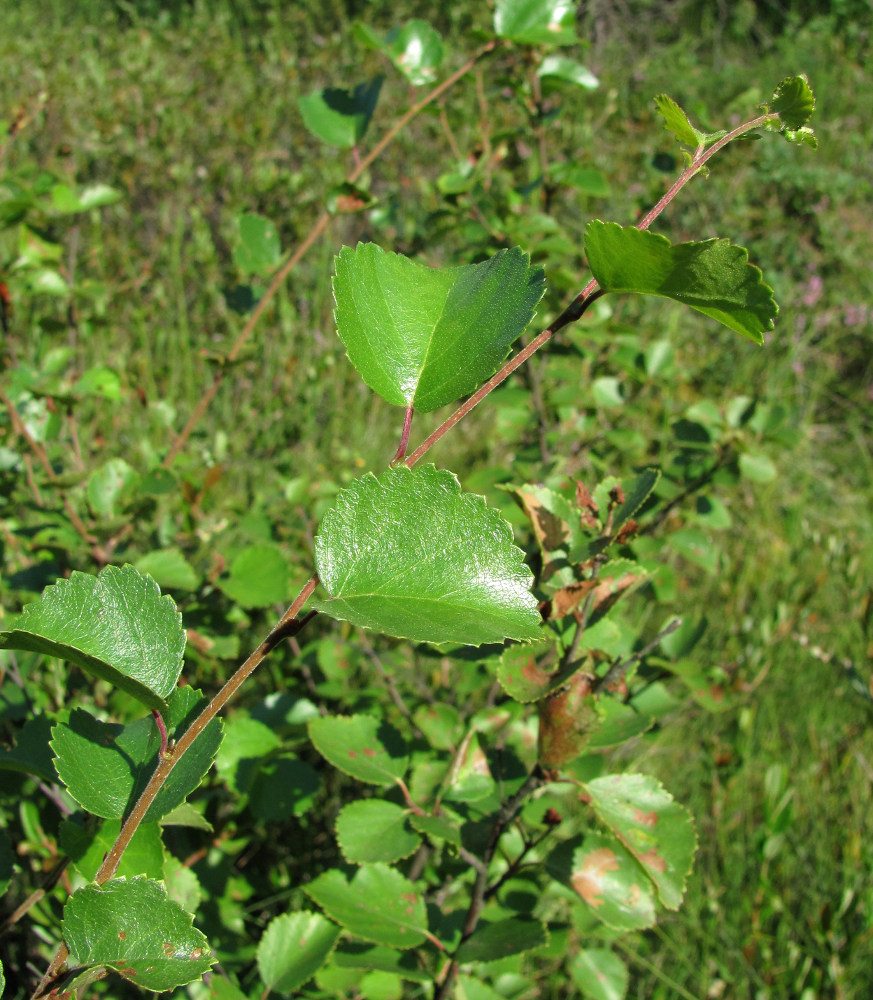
(567, 719)
(611, 883)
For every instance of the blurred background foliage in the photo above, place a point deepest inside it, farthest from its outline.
(189, 112)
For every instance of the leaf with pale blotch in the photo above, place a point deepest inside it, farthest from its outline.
(608, 880)
(378, 904)
(115, 626)
(536, 22)
(562, 68)
(714, 276)
(363, 746)
(373, 830)
(652, 825)
(567, 719)
(417, 51)
(131, 927)
(600, 974)
(530, 673)
(411, 555)
(294, 947)
(493, 941)
(424, 337)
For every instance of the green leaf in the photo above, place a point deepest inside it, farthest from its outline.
(561, 68)
(411, 555)
(618, 724)
(100, 381)
(379, 905)
(29, 751)
(109, 486)
(530, 673)
(132, 927)
(360, 745)
(294, 947)
(247, 741)
(417, 51)
(714, 276)
(345, 198)
(283, 787)
(536, 22)
(340, 117)
(794, 102)
(608, 880)
(652, 826)
(757, 467)
(676, 122)
(359, 955)
(491, 942)
(637, 494)
(105, 766)
(373, 830)
(258, 251)
(169, 568)
(437, 828)
(259, 577)
(115, 626)
(600, 974)
(424, 337)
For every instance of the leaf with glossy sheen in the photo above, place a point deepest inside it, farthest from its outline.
(105, 766)
(115, 626)
(132, 927)
(536, 22)
(652, 825)
(425, 337)
(409, 554)
(417, 51)
(378, 904)
(340, 117)
(600, 974)
(294, 947)
(561, 68)
(373, 830)
(714, 276)
(363, 746)
(491, 942)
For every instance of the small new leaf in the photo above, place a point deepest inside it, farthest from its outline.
(794, 102)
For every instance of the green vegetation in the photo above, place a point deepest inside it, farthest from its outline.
(159, 168)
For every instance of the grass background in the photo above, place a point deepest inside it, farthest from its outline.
(190, 110)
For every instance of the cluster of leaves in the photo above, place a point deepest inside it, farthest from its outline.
(482, 833)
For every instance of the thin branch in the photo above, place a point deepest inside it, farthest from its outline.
(400, 454)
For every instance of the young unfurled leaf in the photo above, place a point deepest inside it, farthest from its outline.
(652, 826)
(115, 626)
(794, 102)
(409, 554)
(340, 117)
(131, 927)
(362, 746)
(677, 123)
(714, 276)
(294, 947)
(378, 904)
(424, 337)
(536, 22)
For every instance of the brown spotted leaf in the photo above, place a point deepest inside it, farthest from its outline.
(653, 827)
(360, 745)
(530, 673)
(567, 720)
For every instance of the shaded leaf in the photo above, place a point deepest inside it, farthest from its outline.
(340, 117)
(130, 926)
(283, 787)
(714, 276)
(425, 337)
(491, 942)
(144, 855)
(411, 555)
(115, 626)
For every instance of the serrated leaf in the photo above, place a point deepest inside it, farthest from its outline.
(105, 767)
(115, 626)
(373, 830)
(379, 905)
(340, 117)
(294, 947)
(561, 68)
(259, 250)
(437, 828)
(133, 928)
(424, 337)
(609, 881)
(653, 827)
(676, 122)
(793, 101)
(363, 746)
(637, 494)
(714, 276)
(144, 854)
(530, 673)
(536, 22)
(502, 939)
(600, 974)
(417, 51)
(247, 742)
(409, 554)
